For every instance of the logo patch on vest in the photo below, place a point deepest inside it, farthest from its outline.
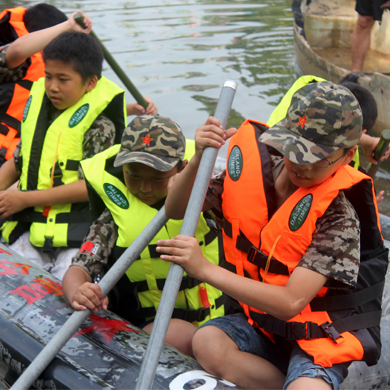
(79, 115)
(235, 163)
(116, 196)
(300, 212)
(27, 108)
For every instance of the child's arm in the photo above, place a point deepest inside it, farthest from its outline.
(29, 44)
(137, 109)
(283, 302)
(369, 144)
(8, 174)
(210, 134)
(80, 292)
(12, 201)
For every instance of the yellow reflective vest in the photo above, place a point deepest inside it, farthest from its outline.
(280, 111)
(137, 296)
(50, 157)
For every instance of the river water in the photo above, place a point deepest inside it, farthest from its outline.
(180, 53)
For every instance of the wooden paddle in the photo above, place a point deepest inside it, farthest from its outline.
(116, 68)
(190, 222)
(379, 152)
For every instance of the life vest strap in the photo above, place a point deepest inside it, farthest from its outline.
(10, 121)
(187, 282)
(311, 330)
(189, 315)
(257, 257)
(348, 301)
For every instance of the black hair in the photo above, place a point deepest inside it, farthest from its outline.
(42, 16)
(366, 101)
(77, 49)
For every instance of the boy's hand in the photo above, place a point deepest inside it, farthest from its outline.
(76, 27)
(89, 296)
(11, 202)
(369, 145)
(380, 196)
(137, 109)
(185, 251)
(211, 134)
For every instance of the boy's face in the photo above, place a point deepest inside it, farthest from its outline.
(64, 86)
(146, 183)
(307, 176)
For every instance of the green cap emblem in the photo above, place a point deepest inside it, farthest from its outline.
(235, 163)
(27, 108)
(79, 115)
(116, 195)
(300, 212)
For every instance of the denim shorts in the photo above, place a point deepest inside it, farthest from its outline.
(286, 355)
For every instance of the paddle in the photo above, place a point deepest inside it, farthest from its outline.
(116, 68)
(190, 222)
(43, 359)
(379, 152)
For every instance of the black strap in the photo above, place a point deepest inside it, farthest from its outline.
(311, 330)
(72, 165)
(29, 215)
(26, 84)
(257, 257)
(10, 121)
(348, 301)
(189, 315)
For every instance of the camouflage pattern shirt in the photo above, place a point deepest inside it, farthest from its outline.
(11, 75)
(103, 233)
(335, 249)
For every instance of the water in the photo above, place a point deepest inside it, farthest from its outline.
(179, 53)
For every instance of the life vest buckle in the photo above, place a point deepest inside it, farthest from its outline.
(332, 333)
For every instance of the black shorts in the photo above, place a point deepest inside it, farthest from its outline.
(370, 8)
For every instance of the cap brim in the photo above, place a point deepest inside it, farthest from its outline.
(294, 147)
(160, 163)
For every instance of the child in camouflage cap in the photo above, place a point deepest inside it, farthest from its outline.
(297, 219)
(127, 185)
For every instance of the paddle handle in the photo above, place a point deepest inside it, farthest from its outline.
(48, 353)
(379, 152)
(116, 68)
(190, 222)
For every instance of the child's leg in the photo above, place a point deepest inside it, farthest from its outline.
(304, 374)
(24, 248)
(234, 355)
(179, 335)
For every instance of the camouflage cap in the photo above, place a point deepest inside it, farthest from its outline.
(152, 140)
(322, 118)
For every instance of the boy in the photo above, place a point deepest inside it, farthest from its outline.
(71, 114)
(369, 111)
(24, 33)
(293, 246)
(128, 184)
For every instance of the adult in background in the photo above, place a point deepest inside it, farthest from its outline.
(368, 12)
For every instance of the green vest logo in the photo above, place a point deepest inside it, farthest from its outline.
(27, 108)
(300, 212)
(116, 196)
(79, 115)
(235, 163)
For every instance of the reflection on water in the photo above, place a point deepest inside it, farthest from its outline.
(179, 53)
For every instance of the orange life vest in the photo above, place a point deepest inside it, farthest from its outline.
(338, 325)
(13, 96)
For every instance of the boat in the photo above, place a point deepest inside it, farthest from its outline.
(322, 39)
(105, 353)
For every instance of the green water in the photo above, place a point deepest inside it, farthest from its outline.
(179, 53)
